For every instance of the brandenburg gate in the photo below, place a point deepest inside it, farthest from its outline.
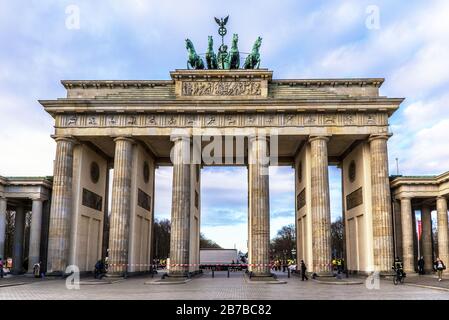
(136, 126)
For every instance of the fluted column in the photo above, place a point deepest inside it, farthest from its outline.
(120, 207)
(443, 241)
(35, 234)
(397, 225)
(426, 237)
(61, 207)
(408, 255)
(258, 188)
(180, 211)
(19, 229)
(2, 226)
(321, 216)
(381, 204)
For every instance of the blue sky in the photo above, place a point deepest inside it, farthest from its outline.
(301, 39)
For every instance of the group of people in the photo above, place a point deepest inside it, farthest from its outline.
(438, 266)
(278, 264)
(338, 265)
(37, 272)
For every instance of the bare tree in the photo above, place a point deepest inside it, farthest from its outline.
(283, 244)
(337, 241)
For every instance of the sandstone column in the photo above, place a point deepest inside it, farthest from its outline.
(2, 227)
(397, 228)
(19, 229)
(426, 238)
(443, 242)
(321, 216)
(35, 234)
(120, 207)
(180, 211)
(408, 255)
(258, 188)
(61, 207)
(381, 204)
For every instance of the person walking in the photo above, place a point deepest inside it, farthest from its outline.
(37, 269)
(439, 266)
(339, 266)
(303, 271)
(421, 265)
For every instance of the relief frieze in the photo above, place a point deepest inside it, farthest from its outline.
(221, 120)
(221, 88)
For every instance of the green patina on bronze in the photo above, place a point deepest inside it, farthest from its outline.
(194, 59)
(223, 59)
(211, 57)
(252, 61)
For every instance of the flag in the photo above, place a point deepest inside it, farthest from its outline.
(419, 230)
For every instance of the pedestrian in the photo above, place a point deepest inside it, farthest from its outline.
(421, 265)
(339, 265)
(37, 269)
(303, 271)
(1, 267)
(99, 269)
(439, 266)
(334, 264)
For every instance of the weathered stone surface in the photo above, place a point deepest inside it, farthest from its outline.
(426, 238)
(61, 209)
(321, 216)
(443, 238)
(381, 204)
(35, 234)
(408, 256)
(180, 212)
(120, 207)
(259, 206)
(19, 229)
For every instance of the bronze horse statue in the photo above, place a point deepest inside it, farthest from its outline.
(194, 59)
(233, 59)
(211, 57)
(252, 61)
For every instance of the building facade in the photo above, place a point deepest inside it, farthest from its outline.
(221, 117)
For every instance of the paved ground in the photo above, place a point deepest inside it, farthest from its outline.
(220, 287)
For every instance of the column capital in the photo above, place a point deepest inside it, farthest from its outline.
(256, 136)
(180, 137)
(37, 199)
(124, 138)
(376, 136)
(319, 137)
(404, 198)
(64, 138)
(441, 198)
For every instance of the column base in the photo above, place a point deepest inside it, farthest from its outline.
(263, 278)
(116, 275)
(323, 274)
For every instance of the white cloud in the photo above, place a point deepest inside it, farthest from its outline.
(429, 151)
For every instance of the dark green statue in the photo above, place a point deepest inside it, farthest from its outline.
(253, 59)
(222, 58)
(233, 59)
(211, 57)
(194, 59)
